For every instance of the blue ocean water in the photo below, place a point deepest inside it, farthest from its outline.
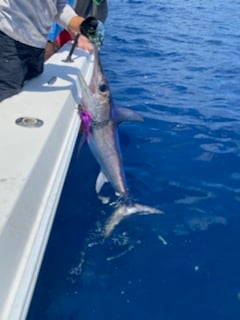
(177, 62)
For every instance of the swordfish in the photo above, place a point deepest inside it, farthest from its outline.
(99, 121)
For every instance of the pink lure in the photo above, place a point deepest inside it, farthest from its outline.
(86, 119)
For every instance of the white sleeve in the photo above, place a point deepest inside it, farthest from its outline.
(65, 13)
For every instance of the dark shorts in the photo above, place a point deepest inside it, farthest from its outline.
(19, 62)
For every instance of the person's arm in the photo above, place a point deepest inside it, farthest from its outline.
(74, 24)
(72, 21)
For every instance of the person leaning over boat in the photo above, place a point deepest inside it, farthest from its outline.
(94, 8)
(58, 36)
(24, 27)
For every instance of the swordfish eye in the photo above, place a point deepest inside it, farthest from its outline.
(103, 87)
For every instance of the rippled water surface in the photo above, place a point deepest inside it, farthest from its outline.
(178, 64)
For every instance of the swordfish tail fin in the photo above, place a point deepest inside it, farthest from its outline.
(125, 210)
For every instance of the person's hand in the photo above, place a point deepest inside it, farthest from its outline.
(84, 43)
(89, 27)
(50, 49)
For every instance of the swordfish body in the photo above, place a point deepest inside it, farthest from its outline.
(100, 120)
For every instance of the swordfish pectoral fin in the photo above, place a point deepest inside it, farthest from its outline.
(101, 180)
(124, 114)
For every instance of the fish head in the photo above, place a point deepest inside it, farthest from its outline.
(100, 90)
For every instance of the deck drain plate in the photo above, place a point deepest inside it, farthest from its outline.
(29, 122)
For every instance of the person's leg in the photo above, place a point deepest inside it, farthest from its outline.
(35, 63)
(11, 71)
(51, 48)
(19, 62)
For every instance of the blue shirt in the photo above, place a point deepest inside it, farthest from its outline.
(56, 28)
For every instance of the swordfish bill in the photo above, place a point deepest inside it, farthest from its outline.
(99, 121)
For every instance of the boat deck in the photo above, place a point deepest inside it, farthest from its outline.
(38, 131)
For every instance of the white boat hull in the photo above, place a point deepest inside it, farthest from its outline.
(33, 166)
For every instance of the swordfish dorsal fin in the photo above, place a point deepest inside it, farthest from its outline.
(124, 114)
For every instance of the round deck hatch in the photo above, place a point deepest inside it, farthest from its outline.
(29, 122)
